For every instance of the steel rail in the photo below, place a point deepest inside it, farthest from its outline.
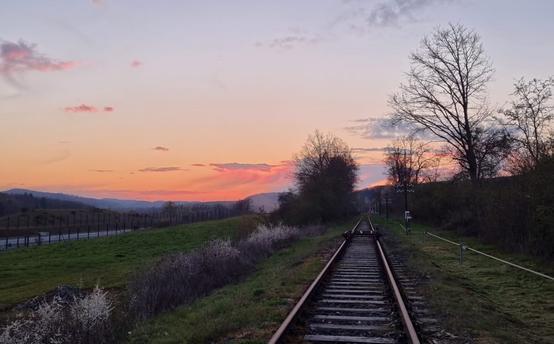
(404, 315)
(281, 331)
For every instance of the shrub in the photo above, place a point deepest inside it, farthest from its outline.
(82, 320)
(179, 279)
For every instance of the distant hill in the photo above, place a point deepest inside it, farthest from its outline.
(266, 201)
(109, 203)
(14, 203)
(105, 203)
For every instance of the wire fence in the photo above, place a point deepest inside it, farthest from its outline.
(463, 247)
(104, 224)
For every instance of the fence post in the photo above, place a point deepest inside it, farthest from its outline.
(462, 247)
(6, 242)
(49, 236)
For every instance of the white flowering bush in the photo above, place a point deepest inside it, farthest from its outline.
(82, 320)
(179, 279)
(265, 240)
(91, 314)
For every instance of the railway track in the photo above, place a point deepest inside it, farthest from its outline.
(354, 299)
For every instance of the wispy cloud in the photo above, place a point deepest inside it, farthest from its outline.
(368, 150)
(17, 58)
(234, 166)
(101, 171)
(395, 12)
(361, 16)
(87, 108)
(162, 169)
(161, 148)
(378, 128)
(295, 38)
(136, 64)
(198, 165)
(57, 157)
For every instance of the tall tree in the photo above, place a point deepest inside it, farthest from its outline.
(408, 162)
(445, 95)
(531, 114)
(325, 175)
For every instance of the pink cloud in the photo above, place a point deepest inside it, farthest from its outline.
(136, 63)
(87, 108)
(240, 179)
(22, 57)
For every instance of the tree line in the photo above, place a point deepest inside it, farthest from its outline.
(444, 99)
(465, 164)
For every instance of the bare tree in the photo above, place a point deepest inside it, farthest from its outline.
(408, 162)
(531, 114)
(445, 95)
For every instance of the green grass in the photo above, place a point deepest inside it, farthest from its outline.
(482, 298)
(250, 311)
(29, 272)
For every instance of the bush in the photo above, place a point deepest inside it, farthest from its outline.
(179, 279)
(83, 320)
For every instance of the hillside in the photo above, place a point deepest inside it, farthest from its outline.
(266, 201)
(106, 203)
(14, 203)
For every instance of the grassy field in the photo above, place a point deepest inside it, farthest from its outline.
(250, 311)
(25, 273)
(489, 301)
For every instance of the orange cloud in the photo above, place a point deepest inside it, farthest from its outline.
(101, 171)
(233, 166)
(161, 148)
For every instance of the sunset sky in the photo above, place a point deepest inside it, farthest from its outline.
(209, 100)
